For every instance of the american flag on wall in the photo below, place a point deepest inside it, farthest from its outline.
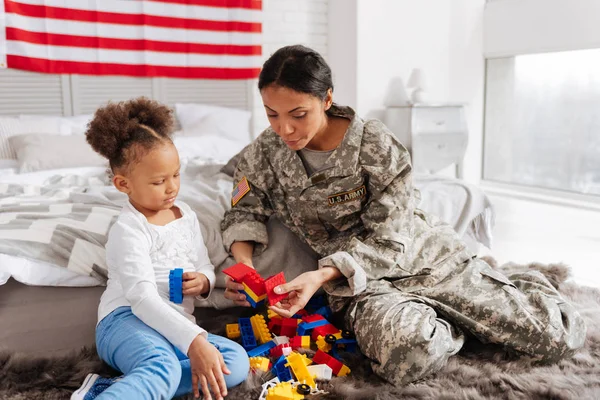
(203, 39)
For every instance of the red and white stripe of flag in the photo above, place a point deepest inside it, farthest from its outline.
(210, 39)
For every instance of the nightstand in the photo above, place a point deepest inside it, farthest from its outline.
(435, 134)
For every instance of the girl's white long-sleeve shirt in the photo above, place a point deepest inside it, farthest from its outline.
(140, 256)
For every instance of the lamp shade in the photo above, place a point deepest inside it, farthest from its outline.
(396, 95)
(417, 79)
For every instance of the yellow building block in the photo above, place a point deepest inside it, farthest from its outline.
(253, 295)
(259, 363)
(233, 331)
(283, 391)
(323, 345)
(305, 344)
(272, 314)
(297, 362)
(344, 371)
(261, 331)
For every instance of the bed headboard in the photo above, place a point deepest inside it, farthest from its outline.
(23, 92)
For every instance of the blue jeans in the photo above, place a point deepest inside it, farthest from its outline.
(152, 367)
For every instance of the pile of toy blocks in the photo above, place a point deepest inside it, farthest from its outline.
(271, 342)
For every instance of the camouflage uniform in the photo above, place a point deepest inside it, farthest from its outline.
(410, 287)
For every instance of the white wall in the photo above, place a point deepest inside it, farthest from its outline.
(444, 38)
(540, 26)
(288, 22)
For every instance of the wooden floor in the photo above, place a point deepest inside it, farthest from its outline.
(529, 231)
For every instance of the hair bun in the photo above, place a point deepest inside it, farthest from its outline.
(115, 124)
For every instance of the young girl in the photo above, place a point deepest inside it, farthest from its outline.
(153, 341)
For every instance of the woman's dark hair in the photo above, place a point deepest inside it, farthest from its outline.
(122, 132)
(298, 68)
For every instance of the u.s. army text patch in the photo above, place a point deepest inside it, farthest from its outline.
(343, 197)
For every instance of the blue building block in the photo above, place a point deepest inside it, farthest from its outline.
(251, 301)
(176, 285)
(248, 339)
(325, 311)
(316, 302)
(281, 371)
(307, 326)
(261, 350)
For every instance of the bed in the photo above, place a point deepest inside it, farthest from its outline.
(53, 225)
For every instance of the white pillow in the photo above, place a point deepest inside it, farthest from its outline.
(44, 152)
(201, 119)
(75, 125)
(11, 126)
(214, 148)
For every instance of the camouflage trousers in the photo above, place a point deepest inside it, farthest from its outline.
(410, 332)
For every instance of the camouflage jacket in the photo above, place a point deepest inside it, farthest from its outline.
(358, 212)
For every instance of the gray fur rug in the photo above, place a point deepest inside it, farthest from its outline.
(478, 372)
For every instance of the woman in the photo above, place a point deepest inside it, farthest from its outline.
(409, 288)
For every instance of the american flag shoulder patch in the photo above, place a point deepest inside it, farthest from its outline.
(241, 189)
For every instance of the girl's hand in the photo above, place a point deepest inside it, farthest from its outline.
(208, 368)
(195, 284)
(232, 290)
(300, 290)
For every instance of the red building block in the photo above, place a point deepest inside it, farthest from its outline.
(288, 327)
(277, 351)
(321, 357)
(324, 331)
(238, 271)
(254, 281)
(270, 284)
(275, 326)
(312, 318)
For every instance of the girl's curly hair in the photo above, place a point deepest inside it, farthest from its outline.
(123, 132)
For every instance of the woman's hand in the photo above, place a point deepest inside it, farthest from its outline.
(232, 290)
(208, 368)
(195, 284)
(300, 290)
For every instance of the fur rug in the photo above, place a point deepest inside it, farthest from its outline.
(478, 372)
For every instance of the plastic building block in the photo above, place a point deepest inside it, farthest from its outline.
(320, 371)
(249, 292)
(281, 339)
(260, 364)
(307, 326)
(176, 285)
(296, 362)
(288, 327)
(253, 303)
(281, 350)
(325, 311)
(261, 350)
(325, 330)
(281, 371)
(238, 271)
(284, 391)
(266, 386)
(336, 366)
(300, 341)
(274, 325)
(313, 318)
(272, 282)
(248, 340)
(261, 331)
(233, 331)
(272, 314)
(323, 345)
(255, 283)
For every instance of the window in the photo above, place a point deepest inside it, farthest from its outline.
(542, 121)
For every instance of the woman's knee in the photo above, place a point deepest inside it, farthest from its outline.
(407, 342)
